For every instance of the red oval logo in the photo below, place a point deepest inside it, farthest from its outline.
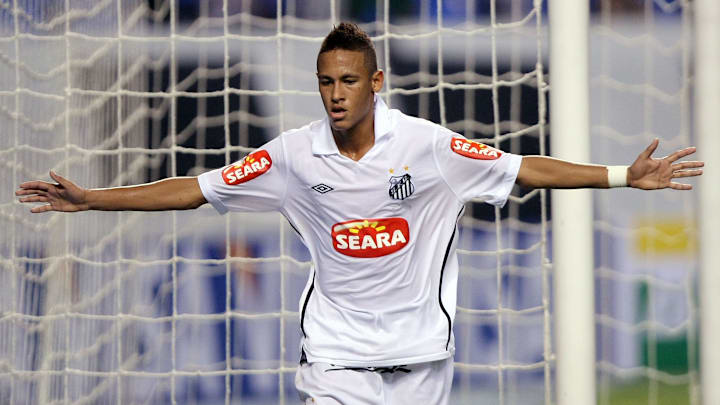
(473, 150)
(253, 165)
(370, 237)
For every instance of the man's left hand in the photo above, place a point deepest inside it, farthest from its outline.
(648, 173)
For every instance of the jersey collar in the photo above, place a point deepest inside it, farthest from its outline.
(324, 144)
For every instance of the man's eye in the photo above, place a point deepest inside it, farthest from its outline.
(350, 81)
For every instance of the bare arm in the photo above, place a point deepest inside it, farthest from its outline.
(177, 193)
(646, 172)
(547, 172)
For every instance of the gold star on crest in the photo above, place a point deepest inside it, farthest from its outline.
(406, 168)
(392, 171)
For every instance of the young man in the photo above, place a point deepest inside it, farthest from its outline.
(375, 195)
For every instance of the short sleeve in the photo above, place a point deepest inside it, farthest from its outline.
(474, 170)
(258, 182)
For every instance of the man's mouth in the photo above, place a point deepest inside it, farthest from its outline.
(337, 113)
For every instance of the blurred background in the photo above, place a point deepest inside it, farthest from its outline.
(197, 308)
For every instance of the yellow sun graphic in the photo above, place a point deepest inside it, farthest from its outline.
(366, 224)
(247, 159)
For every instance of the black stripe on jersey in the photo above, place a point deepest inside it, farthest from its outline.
(307, 298)
(442, 270)
(296, 230)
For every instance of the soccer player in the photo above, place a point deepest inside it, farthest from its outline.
(375, 195)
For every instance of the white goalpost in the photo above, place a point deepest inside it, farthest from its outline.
(192, 307)
(707, 102)
(572, 209)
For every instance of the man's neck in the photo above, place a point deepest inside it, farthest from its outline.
(357, 141)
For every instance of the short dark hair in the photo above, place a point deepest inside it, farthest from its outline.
(350, 37)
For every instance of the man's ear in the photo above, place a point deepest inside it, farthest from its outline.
(377, 80)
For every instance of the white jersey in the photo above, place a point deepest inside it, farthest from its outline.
(381, 231)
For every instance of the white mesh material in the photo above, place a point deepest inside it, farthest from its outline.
(645, 242)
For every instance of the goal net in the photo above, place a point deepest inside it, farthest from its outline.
(193, 307)
(646, 247)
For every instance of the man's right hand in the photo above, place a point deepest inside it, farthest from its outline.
(64, 196)
(176, 193)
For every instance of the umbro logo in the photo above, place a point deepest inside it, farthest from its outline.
(322, 188)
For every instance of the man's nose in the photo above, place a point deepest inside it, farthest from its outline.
(337, 93)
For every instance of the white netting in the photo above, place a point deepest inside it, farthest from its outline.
(645, 242)
(192, 307)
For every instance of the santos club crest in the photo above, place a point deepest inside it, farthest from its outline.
(401, 187)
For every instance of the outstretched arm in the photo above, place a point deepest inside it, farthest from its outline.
(646, 172)
(177, 193)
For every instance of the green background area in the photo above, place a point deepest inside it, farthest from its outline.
(671, 356)
(639, 392)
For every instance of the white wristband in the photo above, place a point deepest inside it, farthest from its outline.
(617, 176)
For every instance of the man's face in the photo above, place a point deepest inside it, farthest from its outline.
(346, 87)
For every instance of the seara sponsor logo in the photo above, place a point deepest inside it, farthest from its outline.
(253, 165)
(369, 238)
(473, 150)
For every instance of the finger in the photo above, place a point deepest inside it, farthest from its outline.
(680, 186)
(687, 173)
(35, 198)
(41, 208)
(687, 165)
(40, 185)
(681, 154)
(30, 192)
(60, 179)
(651, 148)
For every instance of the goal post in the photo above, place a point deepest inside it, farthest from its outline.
(572, 214)
(707, 121)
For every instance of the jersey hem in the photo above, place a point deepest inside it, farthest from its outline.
(508, 180)
(381, 363)
(209, 194)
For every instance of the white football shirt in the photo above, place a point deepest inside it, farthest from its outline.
(381, 231)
